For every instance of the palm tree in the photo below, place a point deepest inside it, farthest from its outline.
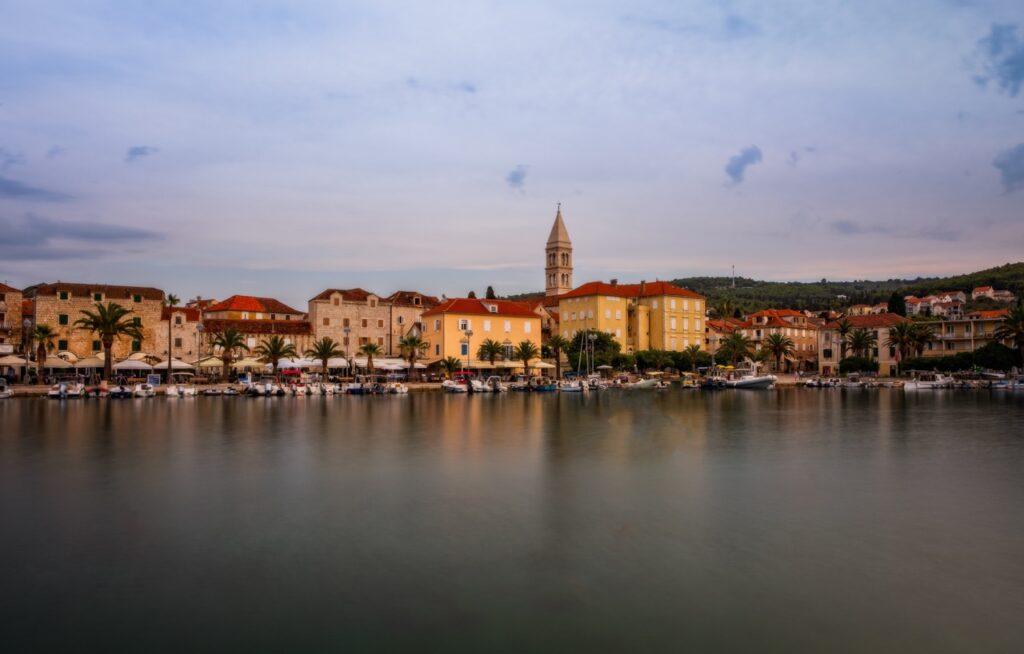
(901, 337)
(735, 347)
(272, 350)
(1012, 329)
(691, 352)
(171, 301)
(43, 335)
(109, 321)
(370, 350)
(490, 350)
(524, 352)
(923, 333)
(843, 328)
(412, 346)
(861, 341)
(229, 341)
(450, 365)
(323, 350)
(558, 345)
(780, 346)
(724, 307)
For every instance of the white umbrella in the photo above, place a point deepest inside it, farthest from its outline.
(70, 357)
(132, 364)
(13, 361)
(337, 362)
(286, 364)
(246, 363)
(210, 362)
(57, 363)
(175, 365)
(90, 362)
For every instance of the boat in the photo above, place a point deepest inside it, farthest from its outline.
(213, 392)
(574, 386)
(396, 388)
(649, 382)
(495, 384)
(1014, 384)
(751, 381)
(451, 386)
(143, 390)
(478, 386)
(5, 390)
(66, 391)
(299, 389)
(230, 391)
(853, 381)
(543, 385)
(119, 392)
(928, 381)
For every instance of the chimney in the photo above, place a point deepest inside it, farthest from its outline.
(615, 282)
(643, 286)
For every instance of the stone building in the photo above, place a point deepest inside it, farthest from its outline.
(60, 304)
(11, 330)
(830, 344)
(354, 317)
(256, 318)
(792, 324)
(184, 323)
(558, 258)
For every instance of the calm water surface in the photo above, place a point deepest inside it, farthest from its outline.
(761, 521)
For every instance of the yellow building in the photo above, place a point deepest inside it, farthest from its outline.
(656, 316)
(457, 327)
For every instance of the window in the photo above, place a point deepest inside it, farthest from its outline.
(527, 327)
(327, 322)
(97, 297)
(380, 324)
(487, 325)
(373, 303)
(363, 340)
(345, 323)
(62, 345)
(177, 320)
(437, 349)
(618, 333)
(464, 349)
(245, 315)
(63, 295)
(177, 342)
(137, 321)
(573, 316)
(509, 351)
(607, 313)
(654, 304)
(380, 340)
(136, 346)
(618, 314)
(62, 319)
(463, 324)
(346, 341)
(493, 308)
(590, 314)
(251, 342)
(696, 324)
(437, 325)
(401, 320)
(686, 324)
(273, 316)
(334, 301)
(96, 346)
(508, 326)
(672, 343)
(136, 298)
(672, 305)
(365, 322)
(827, 353)
(696, 305)
(672, 324)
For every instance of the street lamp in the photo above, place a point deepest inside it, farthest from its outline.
(469, 348)
(590, 355)
(199, 345)
(347, 330)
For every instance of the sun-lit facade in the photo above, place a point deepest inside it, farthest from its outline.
(457, 327)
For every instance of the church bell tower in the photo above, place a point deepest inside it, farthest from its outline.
(558, 267)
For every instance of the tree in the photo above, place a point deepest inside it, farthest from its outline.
(735, 347)
(272, 350)
(897, 304)
(652, 359)
(109, 321)
(324, 350)
(901, 337)
(229, 341)
(780, 347)
(450, 365)
(923, 334)
(412, 346)
(724, 307)
(370, 350)
(524, 352)
(558, 345)
(692, 352)
(843, 328)
(43, 336)
(490, 350)
(490, 293)
(471, 295)
(171, 302)
(862, 341)
(605, 347)
(1012, 329)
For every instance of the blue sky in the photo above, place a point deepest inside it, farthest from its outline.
(280, 148)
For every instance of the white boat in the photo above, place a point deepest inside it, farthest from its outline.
(143, 390)
(119, 392)
(300, 389)
(396, 388)
(928, 381)
(1014, 384)
(751, 381)
(5, 390)
(495, 384)
(450, 386)
(853, 381)
(575, 386)
(66, 391)
(650, 382)
(479, 386)
(213, 392)
(230, 391)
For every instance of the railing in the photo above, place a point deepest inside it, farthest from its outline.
(6, 326)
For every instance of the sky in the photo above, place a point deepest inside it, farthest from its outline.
(280, 148)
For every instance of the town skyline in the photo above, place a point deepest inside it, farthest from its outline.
(274, 151)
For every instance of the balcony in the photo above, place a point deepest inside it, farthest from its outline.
(6, 326)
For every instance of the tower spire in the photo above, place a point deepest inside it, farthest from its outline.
(558, 255)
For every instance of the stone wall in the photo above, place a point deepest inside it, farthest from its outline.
(10, 317)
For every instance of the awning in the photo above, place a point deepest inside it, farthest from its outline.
(90, 362)
(210, 362)
(286, 364)
(133, 364)
(246, 363)
(175, 365)
(337, 362)
(13, 361)
(57, 363)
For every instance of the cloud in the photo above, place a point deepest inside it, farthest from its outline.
(932, 232)
(139, 151)
(15, 190)
(796, 155)
(449, 88)
(8, 159)
(56, 151)
(516, 178)
(1010, 164)
(738, 164)
(38, 237)
(1002, 59)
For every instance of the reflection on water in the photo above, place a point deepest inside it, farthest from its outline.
(788, 520)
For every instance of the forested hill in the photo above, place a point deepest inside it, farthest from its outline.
(751, 294)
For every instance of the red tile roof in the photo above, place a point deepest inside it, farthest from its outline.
(870, 321)
(4, 288)
(252, 303)
(780, 313)
(475, 306)
(647, 289)
(191, 313)
(989, 314)
(408, 299)
(298, 327)
(348, 294)
(724, 325)
(982, 289)
(109, 291)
